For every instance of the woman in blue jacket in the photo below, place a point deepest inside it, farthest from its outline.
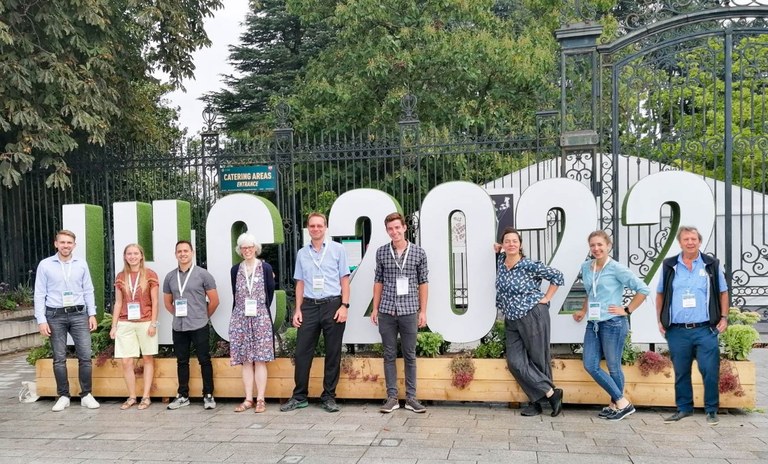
(607, 320)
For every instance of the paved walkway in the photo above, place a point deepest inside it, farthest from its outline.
(447, 433)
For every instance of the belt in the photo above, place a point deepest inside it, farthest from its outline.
(319, 301)
(67, 309)
(694, 325)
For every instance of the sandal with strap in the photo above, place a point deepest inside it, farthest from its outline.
(244, 406)
(145, 402)
(128, 403)
(261, 406)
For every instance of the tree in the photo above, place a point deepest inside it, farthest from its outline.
(75, 73)
(273, 53)
(476, 64)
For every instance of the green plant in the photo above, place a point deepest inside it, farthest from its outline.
(43, 351)
(428, 344)
(462, 370)
(377, 349)
(289, 339)
(102, 346)
(739, 337)
(493, 345)
(6, 297)
(23, 294)
(631, 353)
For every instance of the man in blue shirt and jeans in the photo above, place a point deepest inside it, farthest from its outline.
(64, 303)
(692, 309)
(322, 301)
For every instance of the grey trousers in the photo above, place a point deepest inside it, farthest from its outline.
(528, 352)
(389, 327)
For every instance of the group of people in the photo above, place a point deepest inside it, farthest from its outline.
(692, 308)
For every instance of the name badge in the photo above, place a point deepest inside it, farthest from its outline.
(593, 312)
(318, 283)
(250, 307)
(134, 311)
(181, 307)
(402, 285)
(67, 298)
(689, 300)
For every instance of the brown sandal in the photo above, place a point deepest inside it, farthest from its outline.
(145, 402)
(261, 406)
(128, 403)
(244, 406)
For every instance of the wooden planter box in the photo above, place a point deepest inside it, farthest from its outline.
(363, 378)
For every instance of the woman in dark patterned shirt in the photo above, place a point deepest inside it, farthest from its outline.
(526, 313)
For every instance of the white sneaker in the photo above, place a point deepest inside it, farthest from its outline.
(88, 401)
(209, 402)
(61, 404)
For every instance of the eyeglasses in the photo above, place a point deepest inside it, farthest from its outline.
(245, 248)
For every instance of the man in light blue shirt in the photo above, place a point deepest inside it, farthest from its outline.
(692, 308)
(322, 301)
(64, 303)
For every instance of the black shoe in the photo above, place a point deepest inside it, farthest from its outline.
(330, 405)
(292, 404)
(556, 401)
(677, 416)
(605, 412)
(620, 414)
(712, 419)
(533, 409)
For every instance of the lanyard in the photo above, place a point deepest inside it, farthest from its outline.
(249, 282)
(318, 263)
(405, 256)
(66, 271)
(186, 279)
(597, 275)
(132, 288)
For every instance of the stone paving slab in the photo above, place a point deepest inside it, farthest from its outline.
(449, 433)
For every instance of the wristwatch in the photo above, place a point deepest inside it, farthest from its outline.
(626, 310)
(155, 324)
(346, 305)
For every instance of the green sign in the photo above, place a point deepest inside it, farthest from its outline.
(248, 178)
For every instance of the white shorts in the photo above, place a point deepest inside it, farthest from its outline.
(132, 340)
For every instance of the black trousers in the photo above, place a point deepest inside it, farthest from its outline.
(182, 342)
(314, 319)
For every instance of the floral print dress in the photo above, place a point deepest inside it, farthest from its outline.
(250, 337)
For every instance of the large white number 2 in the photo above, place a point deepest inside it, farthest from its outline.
(690, 199)
(343, 221)
(579, 215)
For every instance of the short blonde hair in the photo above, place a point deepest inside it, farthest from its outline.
(684, 229)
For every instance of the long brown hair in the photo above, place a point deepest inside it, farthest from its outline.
(127, 267)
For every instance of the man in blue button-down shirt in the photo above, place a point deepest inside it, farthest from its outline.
(692, 307)
(64, 303)
(322, 301)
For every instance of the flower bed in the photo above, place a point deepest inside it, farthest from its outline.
(363, 378)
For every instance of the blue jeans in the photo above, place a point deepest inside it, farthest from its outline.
(76, 324)
(685, 345)
(407, 326)
(606, 339)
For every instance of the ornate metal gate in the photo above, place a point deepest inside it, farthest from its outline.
(684, 86)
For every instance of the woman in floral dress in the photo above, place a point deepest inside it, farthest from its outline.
(251, 339)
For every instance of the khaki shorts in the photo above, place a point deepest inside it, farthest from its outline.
(131, 339)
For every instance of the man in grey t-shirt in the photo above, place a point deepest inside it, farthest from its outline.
(189, 293)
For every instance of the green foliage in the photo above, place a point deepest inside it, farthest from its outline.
(271, 57)
(738, 340)
(493, 345)
(44, 351)
(428, 344)
(466, 63)
(80, 73)
(11, 298)
(739, 337)
(289, 339)
(631, 353)
(100, 341)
